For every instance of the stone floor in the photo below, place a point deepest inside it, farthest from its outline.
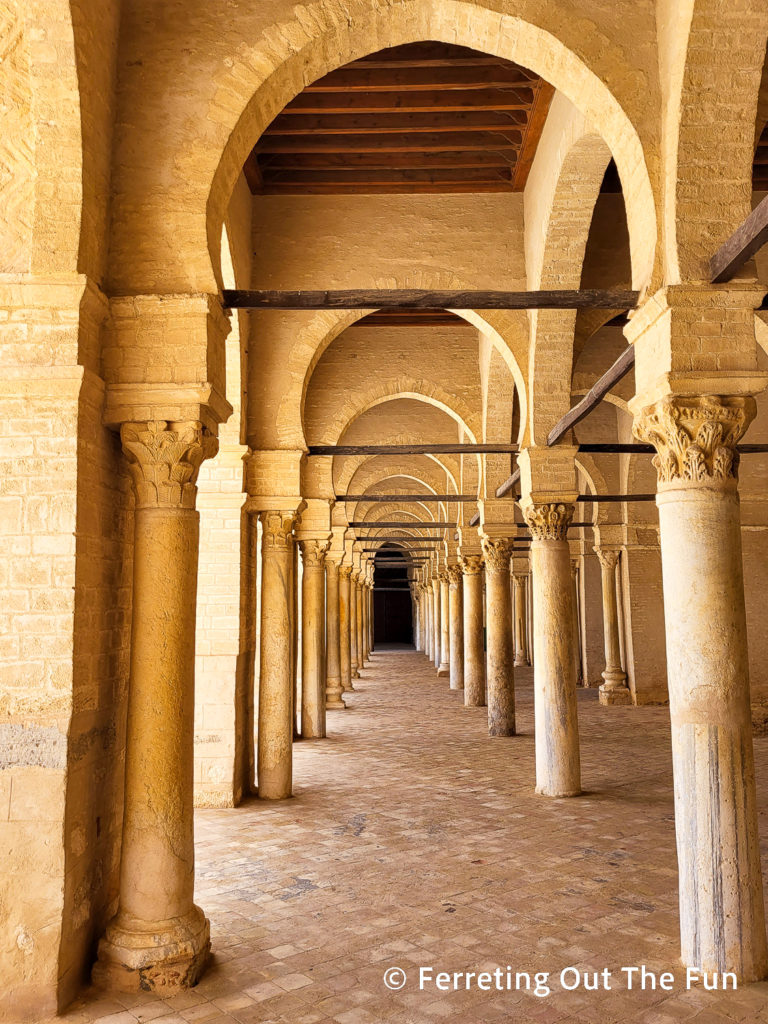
(414, 841)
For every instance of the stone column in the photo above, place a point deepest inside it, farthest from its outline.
(576, 625)
(354, 664)
(313, 638)
(333, 684)
(474, 653)
(345, 637)
(558, 769)
(428, 631)
(521, 623)
(371, 641)
(614, 690)
(722, 922)
(435, 585)
(443, 668)
(456, 617)
(276, 699)
(360, 616)
(500, 692)
(159, 939)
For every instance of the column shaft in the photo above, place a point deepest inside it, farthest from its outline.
(474, 653)
(500, 694)
(445, 627)
(428, 631)
(435, 585)
(360, 625)
(521, 623)
(333, 685)
(345, 635)
(614, 690)
(353, 633)
(456, 617)
(313, 639)
(558, 769)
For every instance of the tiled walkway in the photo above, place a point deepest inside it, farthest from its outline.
(414, 840)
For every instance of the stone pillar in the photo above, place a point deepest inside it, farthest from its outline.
(360, 615)
(521, 619)
(428, 630)
(367, 617)
(500, 687)
(345, 636)
(558, 769)
(456, 617)
(159, 939)
(474, 653)
(293, 598)
(371, 643)
(333, 684)
(614, 690)
(722, 922)
(313, 638)
(354, 664)
(435, 585)
(443, 668)
(576, 624)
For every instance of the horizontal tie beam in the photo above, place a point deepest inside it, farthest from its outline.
(406, 497)
(584, 298)
(415, 524)
(412, 449)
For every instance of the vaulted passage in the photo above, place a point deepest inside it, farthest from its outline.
(413, 840)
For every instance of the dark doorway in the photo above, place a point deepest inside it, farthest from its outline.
(392, 608)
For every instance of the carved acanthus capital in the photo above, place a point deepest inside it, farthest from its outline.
(608, 557)
(695, 437)
(164, 459)
(549, 521)
(454, 576)
(313, 553)
(277, 528)
(497, 552)
(345, 571)
(471, 565)
(520, 579)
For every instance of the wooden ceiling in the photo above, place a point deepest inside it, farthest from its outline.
(421, 118)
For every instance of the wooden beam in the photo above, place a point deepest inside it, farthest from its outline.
(401, 524)
(411, 449)
(393, 141)
(499, 125)
(380, 161)
(595, 395)
(410, 103)
(341, 188)
(533, 130)
(506, 487)
(349, 177)
(617, 449)
(395, 538)
(406, 497)
(415, 299)
(751, 235)
(613, 498)
(394, 551)
(366, 78)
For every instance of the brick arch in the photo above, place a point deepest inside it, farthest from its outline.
(174, 220)
(709, 133)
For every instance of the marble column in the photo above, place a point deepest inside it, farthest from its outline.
(500, 686)
(722, 918)
(456, 619)
(558, 768)
(428, 630)
(576, 624)
(614, 690)
(354, 664)
(443, 668)
(345, 636)
(371, 638)
(521, 623)
(360, 622)
(313, 638)
(333, 683)
(435, 585)
(474, 652)
(159, 938)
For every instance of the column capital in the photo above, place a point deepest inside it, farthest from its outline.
(471, 565)
(695, 437)
(164, 458)
(345, 572)
(277, 526)
(608, 557)
(497, 552)
(453, 572)
(313, 552)
(549, 520)
(520, 578)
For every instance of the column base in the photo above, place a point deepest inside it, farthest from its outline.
(356, 674)
(347, 688)
(337, 704)
(541, 791)
(443, 670)
(520, 662)
(153, 956)
(619, 696)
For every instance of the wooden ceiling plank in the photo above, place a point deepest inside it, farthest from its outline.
(378, 161)
(418, 79)
(418, 102)
(393, 143)
(367, 124)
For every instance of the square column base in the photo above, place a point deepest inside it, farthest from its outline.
(620, 697)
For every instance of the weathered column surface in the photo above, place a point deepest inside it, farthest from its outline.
(313, 638)
(577, 669)
(500, 685)
(360, 622)
(371, 643)
(345, 636)
(333, 684)
(558, 770)
(428, 630)
(521, 619)
(456, 617)
(443, 668)
(474, 652)
(435, 585)
(722, 922)
(354, 665)
(159, 939)
(276, 698)
(614, 690)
